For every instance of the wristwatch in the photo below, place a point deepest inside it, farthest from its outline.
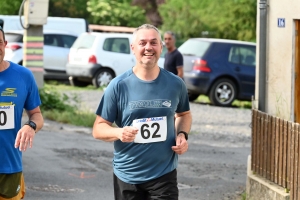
(185, 134)
(31, 124)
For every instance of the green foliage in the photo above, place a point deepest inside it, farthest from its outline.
(183, 17)
(115, 13)
(60, 107)
(9, 7)
(78, 118)
(234, 19)
(69, 8)
(53, 100)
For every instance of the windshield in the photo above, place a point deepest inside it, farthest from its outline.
(13, 37)
(194, 47)
(84, 42)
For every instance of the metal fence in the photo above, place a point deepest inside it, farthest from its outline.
(276, 151)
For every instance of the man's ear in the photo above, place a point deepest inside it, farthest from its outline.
(132, 48)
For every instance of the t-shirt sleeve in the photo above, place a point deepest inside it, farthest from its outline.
(184, 104)
(107, 108)
(179, 60)
(33, 98)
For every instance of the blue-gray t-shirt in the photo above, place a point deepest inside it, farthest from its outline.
(128, 98)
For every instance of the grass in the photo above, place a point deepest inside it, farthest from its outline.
(62, 85)
(236, 103)
(58, 106)
(77, 118)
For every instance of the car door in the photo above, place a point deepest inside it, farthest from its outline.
(242, 62)
(118, 54)
(56, 50)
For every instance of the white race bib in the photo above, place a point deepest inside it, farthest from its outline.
(7, 117)
(152, 129)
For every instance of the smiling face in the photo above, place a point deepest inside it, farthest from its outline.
(147, 47)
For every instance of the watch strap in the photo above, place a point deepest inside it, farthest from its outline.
(31, 124)
(185, 134)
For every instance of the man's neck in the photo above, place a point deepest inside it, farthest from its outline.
(146, 74)
(171, 49)
(3, 65)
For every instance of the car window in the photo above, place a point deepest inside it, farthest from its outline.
(242, 55)
(194, 47)
(67, 40)
(249, 55)
(13, 37)
(119, 45)
(85, 41)
(51, 40)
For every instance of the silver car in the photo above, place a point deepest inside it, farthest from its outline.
(56, 49)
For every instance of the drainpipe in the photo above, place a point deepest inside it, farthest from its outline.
(262, 55)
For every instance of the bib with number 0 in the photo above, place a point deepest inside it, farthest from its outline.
(152, 129)
(7, 118)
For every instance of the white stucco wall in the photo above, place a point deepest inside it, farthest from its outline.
(280, 57)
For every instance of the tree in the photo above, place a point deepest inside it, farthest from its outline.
(116, 13)
(9, 7)
(151, 10)
(69, 8)
(235, 19)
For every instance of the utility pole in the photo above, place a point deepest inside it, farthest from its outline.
(35, 16)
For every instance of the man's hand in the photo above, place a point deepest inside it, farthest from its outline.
(24, 138)
(181, 145)
(128, 134)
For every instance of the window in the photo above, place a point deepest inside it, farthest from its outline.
(84, 42)
(67, 40)
(51, 40)
(194, 47)
(242, 55)
(12, 37)
(119, 45)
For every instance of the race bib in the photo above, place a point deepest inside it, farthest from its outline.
(152, 129)
(7, 118)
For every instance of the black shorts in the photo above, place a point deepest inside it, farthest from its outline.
(164, 187)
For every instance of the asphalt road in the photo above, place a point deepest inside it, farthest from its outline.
(66, 162)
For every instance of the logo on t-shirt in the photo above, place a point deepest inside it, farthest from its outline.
(9, 92)
(155, 103)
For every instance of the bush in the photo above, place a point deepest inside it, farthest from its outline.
(60, 107)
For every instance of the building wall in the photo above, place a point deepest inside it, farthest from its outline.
(280, 58)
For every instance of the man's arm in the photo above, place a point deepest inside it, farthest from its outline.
(103, 130)
(26, 134)
(180, 71)
(183, 122)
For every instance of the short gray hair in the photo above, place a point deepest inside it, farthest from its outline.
(171, 33)
(146, 26)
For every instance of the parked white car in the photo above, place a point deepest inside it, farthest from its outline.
(99, 57)
(56, 49)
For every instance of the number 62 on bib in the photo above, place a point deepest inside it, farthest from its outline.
(153, 129)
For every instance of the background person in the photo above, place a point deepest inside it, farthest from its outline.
(173, 58)
(143, 102)
(18, 91)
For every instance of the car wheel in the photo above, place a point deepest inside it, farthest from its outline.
(192, 96)
(103, 78)
(77, 83)
(223, 92)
